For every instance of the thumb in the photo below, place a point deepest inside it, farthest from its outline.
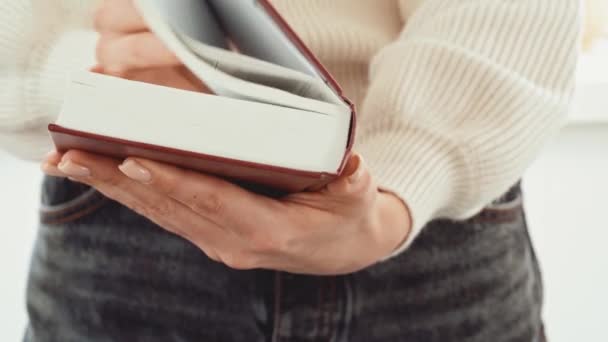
(355, 182)
(354, 168)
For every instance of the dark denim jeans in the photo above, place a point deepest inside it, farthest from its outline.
(102, 273)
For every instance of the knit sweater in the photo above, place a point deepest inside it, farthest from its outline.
(455, 98)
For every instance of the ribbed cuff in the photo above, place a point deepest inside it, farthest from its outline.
(34, 94)
(425, 171)
(47, 84)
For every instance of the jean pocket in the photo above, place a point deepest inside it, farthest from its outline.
(65, 201)
(507, 208)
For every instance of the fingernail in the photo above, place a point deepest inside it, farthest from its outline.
(73, 170)
(97, 69)
(114, 71)
(51, 170)
(52, 157)
(359, 169)
(51, 154)
(135, 171)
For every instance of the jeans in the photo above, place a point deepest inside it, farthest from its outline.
(100, 272)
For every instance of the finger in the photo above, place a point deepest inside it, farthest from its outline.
(166, 212)
(49, 164)
(51, 170)
(350, 193)
(224, 203)
(169, 215)
(261, 226)
(175, 77)
(98, 69)
(118, 16)
(354, 178)
(52, 158)
(120, 54)
(355, 187)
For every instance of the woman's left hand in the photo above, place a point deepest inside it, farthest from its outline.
(347, 226)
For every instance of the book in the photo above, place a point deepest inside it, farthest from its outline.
(275, 118)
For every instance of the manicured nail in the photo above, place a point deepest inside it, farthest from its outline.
(135, 171)
(359, 169)
(73, 170)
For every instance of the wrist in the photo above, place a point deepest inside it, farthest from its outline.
(392, 221)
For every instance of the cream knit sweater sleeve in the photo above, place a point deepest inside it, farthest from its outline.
(462, 102)
(41, 41)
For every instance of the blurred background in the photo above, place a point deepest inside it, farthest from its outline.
(566, 194)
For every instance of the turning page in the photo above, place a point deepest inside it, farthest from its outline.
(193, 18)
(224, 84)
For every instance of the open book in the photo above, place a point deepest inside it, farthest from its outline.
(275, 117)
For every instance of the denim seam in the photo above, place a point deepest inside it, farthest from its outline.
(347, 306)
(80, 208)
(78, 201)
(327, 311)
(331, 310)
(276, 334)
(320, 314)
(74, 216)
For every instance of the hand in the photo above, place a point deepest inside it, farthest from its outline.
(343, 228)
(127, 49)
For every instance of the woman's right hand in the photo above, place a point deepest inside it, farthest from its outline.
(128, 49)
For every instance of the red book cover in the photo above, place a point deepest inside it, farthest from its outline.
(266, 176)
